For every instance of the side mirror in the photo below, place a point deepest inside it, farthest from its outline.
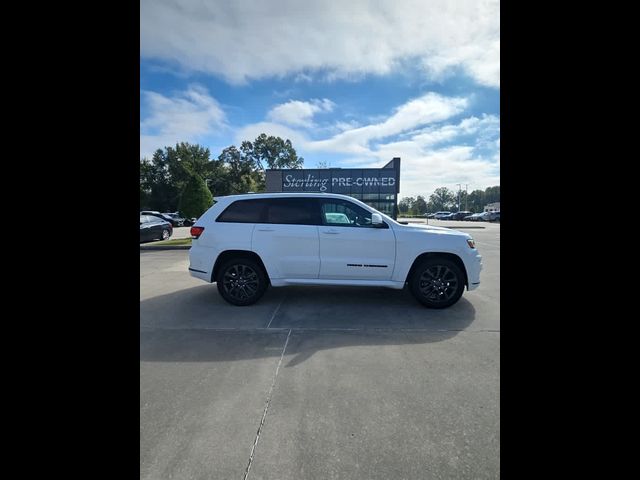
(376, 220)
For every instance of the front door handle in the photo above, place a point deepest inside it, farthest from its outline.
(331, 232)
(266, 229)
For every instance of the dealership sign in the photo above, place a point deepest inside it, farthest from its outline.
(334, 180)
(322, 183)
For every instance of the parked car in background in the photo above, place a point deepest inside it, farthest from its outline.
(473, 218)
(429, 215)
(154, 228)
(489, 216)
(459, 215)
(440, 215)
(177, 219)
(163, 216)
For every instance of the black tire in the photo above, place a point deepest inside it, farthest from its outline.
(241, 281)
(437, 282)
(165, 234)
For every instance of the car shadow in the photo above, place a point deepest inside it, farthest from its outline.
(197, 325)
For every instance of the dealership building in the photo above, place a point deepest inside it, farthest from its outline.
(377, 187)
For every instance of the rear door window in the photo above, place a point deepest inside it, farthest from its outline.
(292, 211)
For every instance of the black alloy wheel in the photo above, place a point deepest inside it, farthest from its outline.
(437, 283)
(241, 282)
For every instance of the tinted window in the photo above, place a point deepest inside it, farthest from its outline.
(344, 214)
(292, 211)
(243, 211)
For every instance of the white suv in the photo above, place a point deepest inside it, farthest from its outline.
(246, 242)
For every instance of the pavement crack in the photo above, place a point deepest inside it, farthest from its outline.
(266, 408)
(276, 310)
(278, 330)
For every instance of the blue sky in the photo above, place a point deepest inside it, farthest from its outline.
(350, 83)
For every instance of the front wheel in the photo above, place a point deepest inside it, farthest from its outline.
(241, 282)
(437, 283)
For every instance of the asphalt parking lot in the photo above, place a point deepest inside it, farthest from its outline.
(317, 382)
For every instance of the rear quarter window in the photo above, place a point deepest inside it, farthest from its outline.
(243, 211)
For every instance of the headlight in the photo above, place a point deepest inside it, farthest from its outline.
(471, 243)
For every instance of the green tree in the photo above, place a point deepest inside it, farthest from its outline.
(409, 202)
(463, 199)
(403, 206)
(196, 197)
(476, 201)
(492, 194)
(420, 206)
(241, 174)
(442, 199)
(186, 160)
(163, 179)
(271, 152)
(146, 183)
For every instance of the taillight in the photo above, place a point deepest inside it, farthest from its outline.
(196, 232)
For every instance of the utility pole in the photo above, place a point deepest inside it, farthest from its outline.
(459, 189)
(466, 197)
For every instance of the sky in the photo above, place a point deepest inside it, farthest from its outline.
(350, 83)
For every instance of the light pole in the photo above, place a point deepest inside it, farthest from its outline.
(427, 214)
(459, 189)
(466, 197)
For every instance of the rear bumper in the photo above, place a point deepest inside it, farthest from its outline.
(200, 274)
(200, 264)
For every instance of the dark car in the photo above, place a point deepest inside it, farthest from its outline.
(164, 216)
(154, 228)
(177, 220)
(459, 215)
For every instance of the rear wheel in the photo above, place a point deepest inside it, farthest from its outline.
(437, 283)
(165, 233)
(241, 281)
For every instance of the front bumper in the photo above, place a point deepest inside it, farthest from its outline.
(474, 266)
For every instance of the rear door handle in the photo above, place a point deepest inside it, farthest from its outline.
(331, 232)
(266, 229)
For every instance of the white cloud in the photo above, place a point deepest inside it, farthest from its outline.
(298, 113)
(252, 131)
(470, 155)
(434, 151)
(250, 39)
(422, 172)
(186, 117)
(418, 112)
